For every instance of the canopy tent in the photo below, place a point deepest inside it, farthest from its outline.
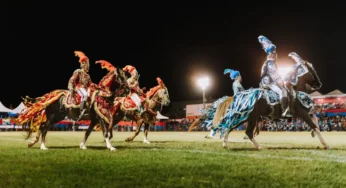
(316, 94)
(19, 108)
(4, 109)
(335, 92)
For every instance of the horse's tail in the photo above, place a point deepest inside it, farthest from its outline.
(221, 111)
(196, 123)
(34, 115)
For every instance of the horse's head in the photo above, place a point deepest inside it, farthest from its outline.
(159, 93)
(115, 80)
(304, 74)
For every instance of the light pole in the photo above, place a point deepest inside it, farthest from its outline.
(203, 83)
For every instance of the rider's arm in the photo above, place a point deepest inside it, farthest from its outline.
(73, 80)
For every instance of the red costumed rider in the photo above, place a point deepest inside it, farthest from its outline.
(136, 93)
(80, 82)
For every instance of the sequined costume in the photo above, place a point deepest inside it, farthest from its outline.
(270, 78)
(80, 81)
(235, 75)
(136, 93)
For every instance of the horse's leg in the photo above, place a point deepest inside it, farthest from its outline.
(116, 121)
(316, 129)
(146, 130)
(252, 123)
(106, 134)
(87, 133)
(44, 131)
(36, 139)
(315, 120)
(139, 125)
(225, 139)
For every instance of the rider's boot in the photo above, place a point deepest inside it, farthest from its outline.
(267, 45)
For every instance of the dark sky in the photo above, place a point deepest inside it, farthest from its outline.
(176, 44)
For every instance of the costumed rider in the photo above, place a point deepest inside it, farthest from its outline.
(236, 86)
(136, 93)
(270, 79)
(80, 82)
(235, 75)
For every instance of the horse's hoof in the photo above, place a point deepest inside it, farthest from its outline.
(112, 149)
(259, 148)
(313, 134)
(30, 145)
(327, 147)
(128, 140)
(43, 148)
(208, 137)
(146, 142)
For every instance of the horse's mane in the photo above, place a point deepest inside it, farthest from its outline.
(317, 84)
(152, 91)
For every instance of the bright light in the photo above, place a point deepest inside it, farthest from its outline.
(203, 82)
(283, 71)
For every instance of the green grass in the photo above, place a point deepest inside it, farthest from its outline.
(174, 159)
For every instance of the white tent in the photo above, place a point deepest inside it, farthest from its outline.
(19, 108)
(335, 92)
(4, 109)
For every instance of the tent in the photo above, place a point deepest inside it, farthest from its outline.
(316, 94)
(335, 92)
(19, 108)
(4, 109)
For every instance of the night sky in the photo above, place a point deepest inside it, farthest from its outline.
(178, 45)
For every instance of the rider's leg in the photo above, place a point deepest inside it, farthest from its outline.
(84, 94)
(282, 99)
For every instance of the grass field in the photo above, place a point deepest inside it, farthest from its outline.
(174, 159)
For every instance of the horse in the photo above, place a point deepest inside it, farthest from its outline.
(300, 103)
(156, 98)
(56, 105)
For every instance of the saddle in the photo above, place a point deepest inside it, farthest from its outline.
(129, 104)
(272, 97)
(73, 101)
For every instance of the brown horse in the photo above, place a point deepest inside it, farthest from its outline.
(156, 98)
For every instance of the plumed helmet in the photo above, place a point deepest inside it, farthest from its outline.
(82, 57)
(232, 73)
(267, 45)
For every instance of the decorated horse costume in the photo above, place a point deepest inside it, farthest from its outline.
(55, 106)
(252, 104)
(156, 98)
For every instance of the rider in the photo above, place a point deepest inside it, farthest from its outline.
(269, 75)
(80, 81)
(235, 75)
(136, 93)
